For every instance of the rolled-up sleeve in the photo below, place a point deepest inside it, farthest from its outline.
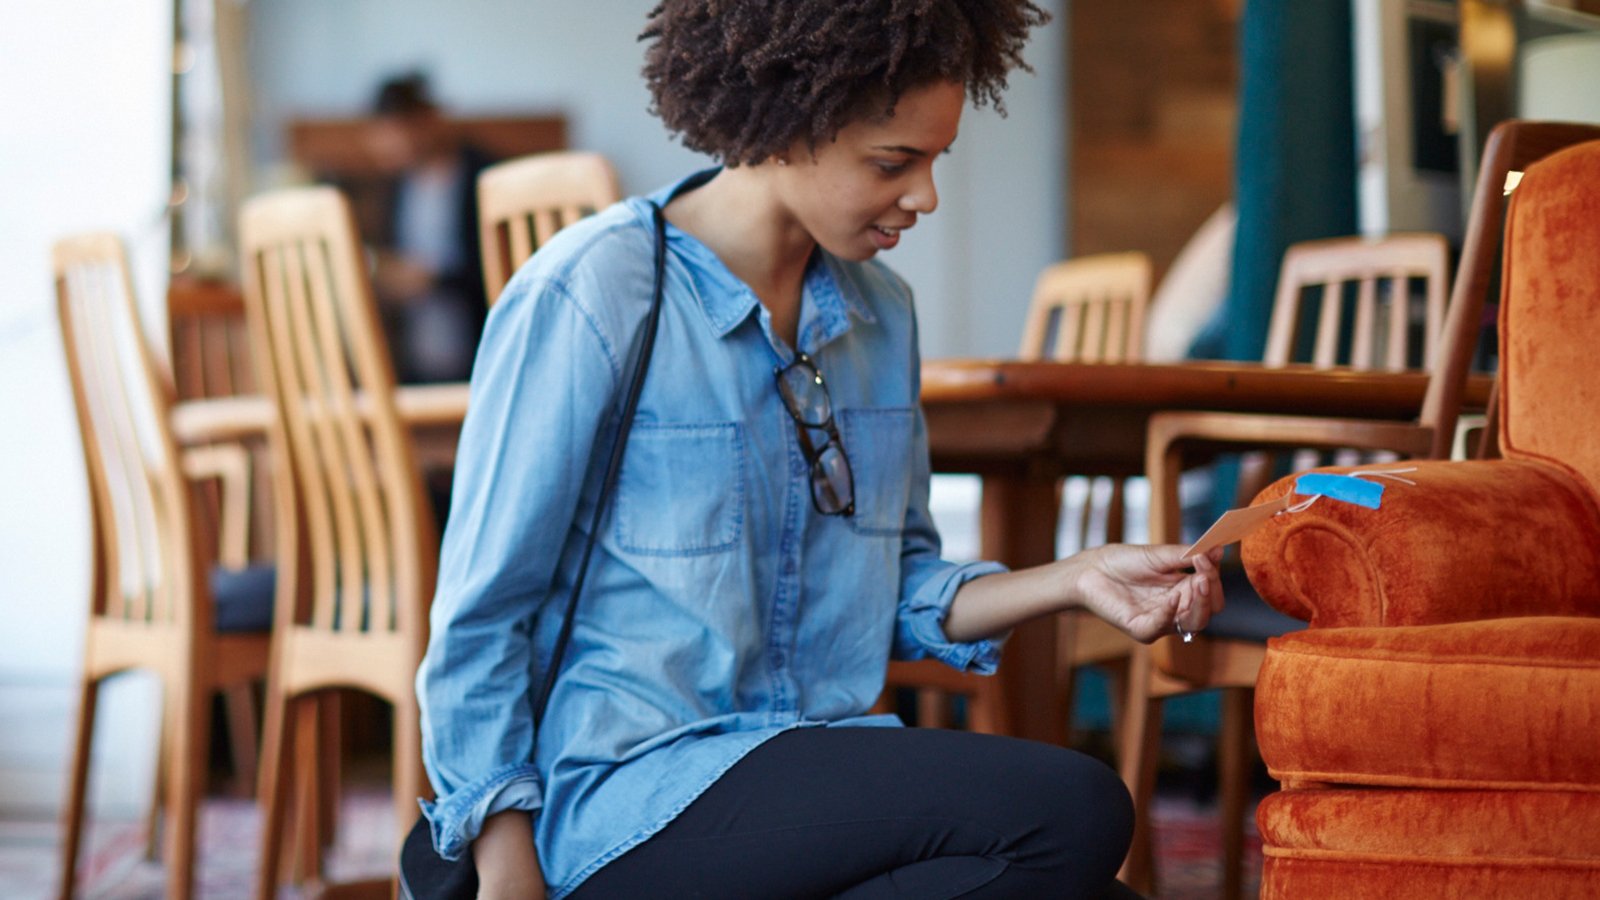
(928, 584)
(543, 382)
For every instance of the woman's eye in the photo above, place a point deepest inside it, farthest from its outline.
(891, 168)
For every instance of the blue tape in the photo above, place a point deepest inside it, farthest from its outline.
(1341, 487)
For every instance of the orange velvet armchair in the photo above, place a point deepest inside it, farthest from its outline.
(1437, 728)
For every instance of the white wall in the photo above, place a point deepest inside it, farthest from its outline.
(973, 264)
(1558, 77)
(1393, 195)
(82, 146)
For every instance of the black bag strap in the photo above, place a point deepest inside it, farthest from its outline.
(614, 464)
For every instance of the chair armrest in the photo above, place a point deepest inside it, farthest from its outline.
(1470, 540)
(1172, 435)
(229, 465)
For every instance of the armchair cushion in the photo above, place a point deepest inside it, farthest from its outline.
(1469, 540)
(1501, 704)
(1384, 844)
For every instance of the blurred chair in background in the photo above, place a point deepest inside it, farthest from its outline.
(1090, 309)
(357, 543)
(158, 602)
(523, 202)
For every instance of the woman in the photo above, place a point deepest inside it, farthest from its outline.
(768, 547)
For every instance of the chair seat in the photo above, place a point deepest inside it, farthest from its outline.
(1492, 704)
(1426, 843)
(243, 598)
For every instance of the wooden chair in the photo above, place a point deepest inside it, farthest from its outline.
(1170, 667)
(1089, 309)
(209, 356)
(157, 603)
(356, 540)
(523, 202)
(1235, 642)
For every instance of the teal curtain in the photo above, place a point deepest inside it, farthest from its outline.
(1295, 163)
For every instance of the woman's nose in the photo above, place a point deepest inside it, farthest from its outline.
(923, 198)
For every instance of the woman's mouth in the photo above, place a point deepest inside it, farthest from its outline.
(884, 236)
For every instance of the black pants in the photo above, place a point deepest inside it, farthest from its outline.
(865, 813)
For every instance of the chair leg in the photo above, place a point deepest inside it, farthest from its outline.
(77, 784)
(307, 817)
(158, 786)
(986, 709)
(933, 708)
(410, 777)
(272, 793)
(1117, 687)
(1066, 670)
(330, 766)
(185, 781)
(1235, 758)
(239, 703)
(1138, 757)
(1116, 513)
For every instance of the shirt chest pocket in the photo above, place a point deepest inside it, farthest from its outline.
(681, 489)
(878, 443)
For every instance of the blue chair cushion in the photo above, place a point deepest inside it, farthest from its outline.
(243, 597)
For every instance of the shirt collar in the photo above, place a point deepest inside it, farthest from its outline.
(831, 296)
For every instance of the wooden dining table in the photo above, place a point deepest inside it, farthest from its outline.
(1020, 426)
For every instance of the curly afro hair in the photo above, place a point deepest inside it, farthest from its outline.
(742, 80)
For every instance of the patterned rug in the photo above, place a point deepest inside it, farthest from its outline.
(113, 867)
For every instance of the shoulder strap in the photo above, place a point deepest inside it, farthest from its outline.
(614, 464)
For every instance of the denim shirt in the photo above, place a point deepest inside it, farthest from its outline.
(720, 608)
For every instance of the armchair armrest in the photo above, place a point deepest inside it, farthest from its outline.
(1470, 540)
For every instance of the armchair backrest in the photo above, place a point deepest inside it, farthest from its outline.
(1513, 146)
(1550, 315)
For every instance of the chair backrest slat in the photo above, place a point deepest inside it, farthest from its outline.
(371, 543)
(523, 202)
(319, 373)
(1089, 309)
(1362, 352)
(124, 400)
(1372, 268)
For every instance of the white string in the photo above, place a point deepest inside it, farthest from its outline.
(1387, 473)
(1301, 506)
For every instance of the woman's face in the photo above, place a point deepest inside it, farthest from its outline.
(855, 195)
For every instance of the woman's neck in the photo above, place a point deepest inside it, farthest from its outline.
(739, 218)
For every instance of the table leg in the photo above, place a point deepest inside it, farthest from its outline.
(1019, 530)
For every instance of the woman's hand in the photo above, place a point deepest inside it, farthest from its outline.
(1144, 590)
(507, 862)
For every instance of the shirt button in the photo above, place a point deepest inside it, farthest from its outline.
(777, 658)
(788, 567)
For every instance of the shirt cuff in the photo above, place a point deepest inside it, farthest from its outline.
(930, 607)
(455, 819)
